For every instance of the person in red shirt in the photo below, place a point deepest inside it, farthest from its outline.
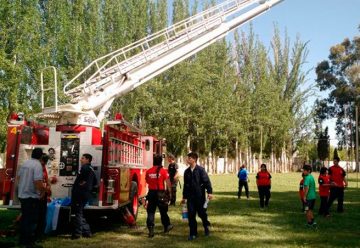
(156, 178)
(338, 184)
(263, 181)
(324, 191)
(301, 192)
(45, 199)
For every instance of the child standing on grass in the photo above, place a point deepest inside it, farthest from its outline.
(324, 191)
(309, 195)
(263, 182)
(301, 192)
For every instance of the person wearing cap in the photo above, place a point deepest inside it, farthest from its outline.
(30, 189)
(338, 184)
(263, 182)
(309, 195)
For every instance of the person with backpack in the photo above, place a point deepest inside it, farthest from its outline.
(243, 181)
(81, 194)
(263, 182)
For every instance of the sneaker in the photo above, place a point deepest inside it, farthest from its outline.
(191, 237)
(168, 228)
(313, 225)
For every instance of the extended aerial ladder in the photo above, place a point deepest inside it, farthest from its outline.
(117, 73)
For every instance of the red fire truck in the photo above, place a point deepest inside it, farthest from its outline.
(121, 155)
(121, 152)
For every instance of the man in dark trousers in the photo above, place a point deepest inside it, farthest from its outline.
(157, 177)
(81, 194)
(196, 181)
(174, 177)
(30, 189)
(338, 184)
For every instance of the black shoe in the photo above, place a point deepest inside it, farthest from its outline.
(87, 235)
(191, 237)
(73, 237)
(168, 228)
(207, 231)
(151, 232)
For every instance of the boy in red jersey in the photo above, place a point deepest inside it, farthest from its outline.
(324, 191)
(338, 184)
(263, 181)
(301, 192)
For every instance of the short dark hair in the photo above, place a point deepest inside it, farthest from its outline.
(193, 155)
(337, 159)
(263, 165)
(157, 160)
(307, 167)
(37, 153)
(87, 156)
(323, 170)
(45, 158)
(171, 156)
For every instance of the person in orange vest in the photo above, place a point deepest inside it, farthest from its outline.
(157, 177)
(263, 181)
(301, 192)
(324, 191)
(338, 184)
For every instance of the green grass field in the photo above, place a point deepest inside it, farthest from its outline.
(235, 223)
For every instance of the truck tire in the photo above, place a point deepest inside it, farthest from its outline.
(133, 206)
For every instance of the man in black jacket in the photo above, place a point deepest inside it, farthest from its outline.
(81, 194)
(196, 181)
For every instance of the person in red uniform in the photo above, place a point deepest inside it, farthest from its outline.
(45, 199)
(156, 178)
(263, 181)
(301, 191)
(324, 191)
(338, 184)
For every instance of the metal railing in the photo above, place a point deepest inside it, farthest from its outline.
(119, 62)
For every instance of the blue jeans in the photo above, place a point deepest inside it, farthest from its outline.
(29, 220)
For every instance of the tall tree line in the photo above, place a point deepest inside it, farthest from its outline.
(240, 100)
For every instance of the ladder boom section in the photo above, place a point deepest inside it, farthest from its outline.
(125, 69)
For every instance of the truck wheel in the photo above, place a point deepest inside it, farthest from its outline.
(133, 206)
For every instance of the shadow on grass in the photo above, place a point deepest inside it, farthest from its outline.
(285, 221)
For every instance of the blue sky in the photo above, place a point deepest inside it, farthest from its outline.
(321, 23)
